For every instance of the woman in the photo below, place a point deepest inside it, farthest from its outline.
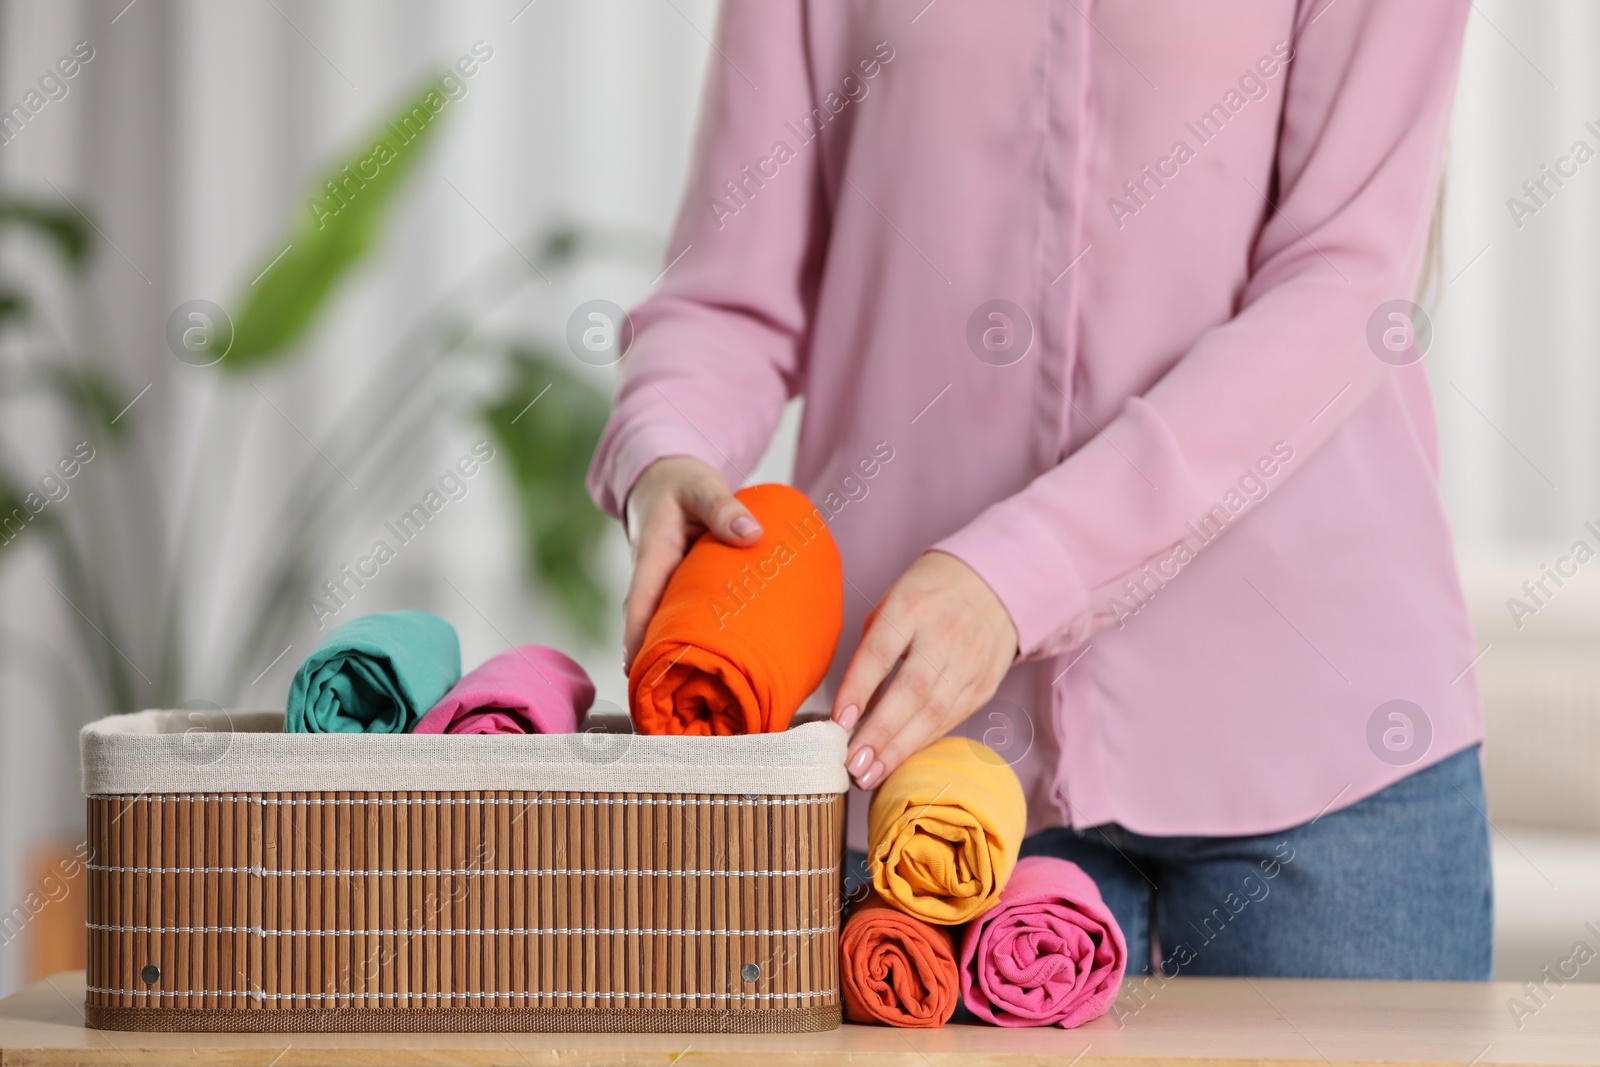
(1099, 311)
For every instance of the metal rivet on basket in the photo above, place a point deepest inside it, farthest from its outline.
(750, 972)
(151, 974)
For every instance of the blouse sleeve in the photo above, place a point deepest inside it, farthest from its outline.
(1365, 115)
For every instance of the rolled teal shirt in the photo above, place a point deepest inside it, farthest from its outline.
(374, 674)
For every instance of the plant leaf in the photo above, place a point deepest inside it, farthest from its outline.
(10, 500)
(549, 444)
(91, 393)
(328, 238)
(561, 246)
(67, 230)
(14, 306)
(96, 396)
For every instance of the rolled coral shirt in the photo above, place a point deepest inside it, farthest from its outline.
(1106, 299)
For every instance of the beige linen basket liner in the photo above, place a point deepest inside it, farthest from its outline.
(245, 879)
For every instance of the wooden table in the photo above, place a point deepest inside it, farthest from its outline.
(1188, 1020)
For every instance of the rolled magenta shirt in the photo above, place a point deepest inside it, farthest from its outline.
(1096, 296)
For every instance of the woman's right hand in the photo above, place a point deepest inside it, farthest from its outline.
(673, 502)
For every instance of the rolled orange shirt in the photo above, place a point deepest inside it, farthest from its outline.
(897, 969)
(743, 635)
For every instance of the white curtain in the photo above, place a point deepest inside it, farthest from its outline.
(192, 134)
(1514, 365)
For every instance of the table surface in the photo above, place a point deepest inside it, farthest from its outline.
(1221, 1021)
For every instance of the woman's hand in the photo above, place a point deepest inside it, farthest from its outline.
(958, 642)
(673, 502)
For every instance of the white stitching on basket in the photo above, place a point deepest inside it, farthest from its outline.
(457, 871)
(206, 798)
(533, 930)
(445, 996)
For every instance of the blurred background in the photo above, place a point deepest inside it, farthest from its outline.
(227, 361)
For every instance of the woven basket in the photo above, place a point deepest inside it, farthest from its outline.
(249, 880)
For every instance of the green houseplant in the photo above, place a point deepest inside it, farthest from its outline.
(299, 281)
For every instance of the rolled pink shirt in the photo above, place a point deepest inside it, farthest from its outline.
(1049, 954)
(529, 689)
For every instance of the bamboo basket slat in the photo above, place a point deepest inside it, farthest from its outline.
(448, 909)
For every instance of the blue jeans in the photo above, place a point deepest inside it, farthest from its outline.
(1394, 886)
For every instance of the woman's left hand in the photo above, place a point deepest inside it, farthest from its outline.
(957, 640)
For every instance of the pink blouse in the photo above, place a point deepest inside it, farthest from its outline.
(1096, 296)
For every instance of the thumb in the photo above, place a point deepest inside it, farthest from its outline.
(709, 501)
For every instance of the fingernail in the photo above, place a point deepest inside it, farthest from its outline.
(859, 762)
(848, 717)
(874, 772)
(745, 526)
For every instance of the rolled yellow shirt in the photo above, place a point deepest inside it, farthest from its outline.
(944, 830)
